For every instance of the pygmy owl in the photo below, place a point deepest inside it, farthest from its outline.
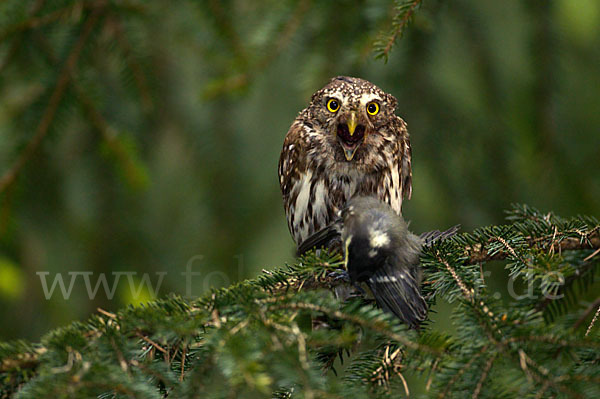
(347, 142)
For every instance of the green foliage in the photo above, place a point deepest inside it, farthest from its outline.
(281, 333)
(138, 134)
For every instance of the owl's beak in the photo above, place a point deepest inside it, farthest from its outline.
(350, 134)
(352, 122)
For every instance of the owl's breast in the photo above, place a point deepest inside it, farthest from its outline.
(325, 188)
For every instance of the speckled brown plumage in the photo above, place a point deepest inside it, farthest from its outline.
(322, 165)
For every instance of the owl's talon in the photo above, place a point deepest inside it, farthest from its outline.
(340, 275)
(359, 289)
(345, 277)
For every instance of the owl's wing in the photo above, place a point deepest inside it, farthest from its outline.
(405, 164)
(292, 165)
(406, 169)
(395, 182)
(290, 160)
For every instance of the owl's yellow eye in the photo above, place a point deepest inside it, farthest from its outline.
(333, 105)
(372, 108)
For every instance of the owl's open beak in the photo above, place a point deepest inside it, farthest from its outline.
(350, 134)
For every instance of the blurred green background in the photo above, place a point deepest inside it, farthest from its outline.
(150, 131)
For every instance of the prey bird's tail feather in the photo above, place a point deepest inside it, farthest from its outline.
(430, 237)
(396, 290)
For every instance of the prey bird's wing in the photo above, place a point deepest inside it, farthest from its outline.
(397, 292)
(430, 237)
(322, 238)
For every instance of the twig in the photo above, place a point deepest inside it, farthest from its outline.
(242, 79)
(74, 8)
(107, 313)
(17, 42)
(154, 344)
(552, 340)
(136, 69)
(481, 273)
(97, 120)
(430, 379)
(461, 372)
(511, 250)
(183, 353)
(294, 331)
(544, 374)
(36, 22)
(288, 32)
(354, 319)
(568, 281)
(542, 391)
(21, 361)
(466, 292)
(122, 361)
(596, 252)
(227, 29)
(486, 371)
(59, 90)
(587, 312)
(72, 357)
(593, 322)
(404, 383)
(479, 254)
(302, 352)
(381, 374)
(399, 29)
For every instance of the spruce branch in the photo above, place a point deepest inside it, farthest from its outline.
(18, 41)
(390, 362)
(535, 247)
(38, 21)
(404, 12)
(59, 90)
(133, 172)
(557, 341)
(479, 254)
(227, 84)
(258, 323)
(461, 371)
(138, 73)
(542, 375)
(484, 375)
(379, 325)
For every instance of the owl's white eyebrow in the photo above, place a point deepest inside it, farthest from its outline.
(370, 97)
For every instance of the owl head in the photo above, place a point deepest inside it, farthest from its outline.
(352, 113)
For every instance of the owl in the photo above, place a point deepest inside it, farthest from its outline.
(347, 142)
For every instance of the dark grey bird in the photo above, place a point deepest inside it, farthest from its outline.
(380, 251)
